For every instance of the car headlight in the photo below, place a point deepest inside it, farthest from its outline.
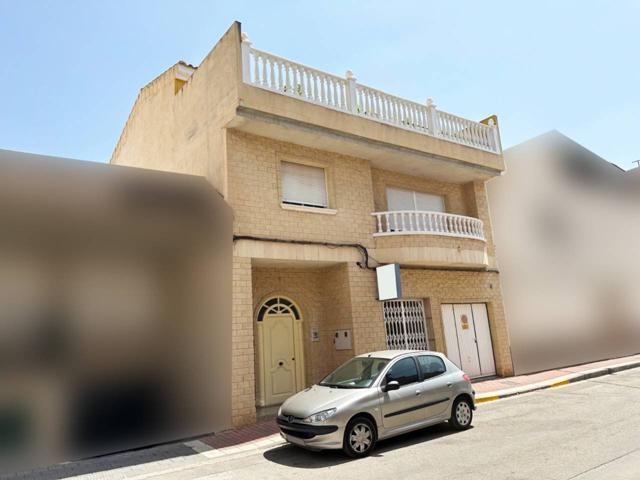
(320, 416)
(280, 411)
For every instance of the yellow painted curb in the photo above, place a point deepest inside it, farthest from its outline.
(560, 383)
(487, 399)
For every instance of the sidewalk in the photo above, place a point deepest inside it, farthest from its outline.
(255, 436)
(205, 452)
(494, 389)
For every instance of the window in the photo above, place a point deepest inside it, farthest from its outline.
(399, 199)
(359, 372)
(303, 185)
(403, 371)
(431, 366)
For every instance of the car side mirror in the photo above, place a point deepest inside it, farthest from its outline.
(392, 385)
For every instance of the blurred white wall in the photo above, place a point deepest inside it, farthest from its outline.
(567, 232)
(115, 309)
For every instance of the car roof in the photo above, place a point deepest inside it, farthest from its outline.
(391, 354)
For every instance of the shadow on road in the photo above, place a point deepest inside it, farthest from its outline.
(97, 465)
(292, 456)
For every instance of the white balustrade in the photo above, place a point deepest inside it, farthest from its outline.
(271, 72)
(407, 222)
(296, 80)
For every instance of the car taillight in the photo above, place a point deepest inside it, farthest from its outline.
(466, 377)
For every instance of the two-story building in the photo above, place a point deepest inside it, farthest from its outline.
(328, 178)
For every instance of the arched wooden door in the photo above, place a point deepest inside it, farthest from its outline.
(280, 356)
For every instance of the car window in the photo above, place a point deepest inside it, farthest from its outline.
(359, 372)
(431, 366)
(403, 371)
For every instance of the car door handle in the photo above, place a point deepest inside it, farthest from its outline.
(449, 384)
(418, 392)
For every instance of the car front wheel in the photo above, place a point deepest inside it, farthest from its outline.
(359, 437)
(461, 414)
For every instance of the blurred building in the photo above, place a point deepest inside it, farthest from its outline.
(114, 308)
(567, 228)
(328, 178)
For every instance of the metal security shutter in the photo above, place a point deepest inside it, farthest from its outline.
(303, 185)
(405, 324)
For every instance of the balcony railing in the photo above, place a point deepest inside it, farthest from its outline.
(277, 74)
(411, 222)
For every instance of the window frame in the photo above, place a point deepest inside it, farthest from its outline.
(422, 373)
(328, 191)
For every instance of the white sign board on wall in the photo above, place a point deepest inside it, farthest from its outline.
(388, 278)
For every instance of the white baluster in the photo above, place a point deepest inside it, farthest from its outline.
(432, 120)
(256, 68)
(352, 92)
(325, 90)
(264, 71)
(314, 87)
(287, 78)
(272, 73)
(280, 76)
(246, 58)
(496, 136)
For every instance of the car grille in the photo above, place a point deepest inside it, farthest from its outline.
(293, 433)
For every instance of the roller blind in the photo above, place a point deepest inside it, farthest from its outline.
(399, 199)
(303, 185)
(429, 203)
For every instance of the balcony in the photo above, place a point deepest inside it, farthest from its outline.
(344, 94)
(412, 222)
(430, 239)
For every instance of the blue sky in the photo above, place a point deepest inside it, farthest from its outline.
(71, 69)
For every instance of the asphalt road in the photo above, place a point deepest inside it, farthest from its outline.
(584, 431)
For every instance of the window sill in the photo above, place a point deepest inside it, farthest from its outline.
(301, 208)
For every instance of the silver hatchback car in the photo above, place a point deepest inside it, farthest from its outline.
(378, 395)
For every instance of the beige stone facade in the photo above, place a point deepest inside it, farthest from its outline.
(216, 125)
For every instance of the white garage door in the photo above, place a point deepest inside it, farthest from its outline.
(468, 338)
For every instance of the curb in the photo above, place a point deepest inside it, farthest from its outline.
(556, 382)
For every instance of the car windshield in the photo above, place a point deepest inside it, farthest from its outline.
(359, 372)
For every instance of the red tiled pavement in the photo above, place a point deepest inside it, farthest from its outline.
(229, 438)
(496, 384)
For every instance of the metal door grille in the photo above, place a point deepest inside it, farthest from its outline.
(405, 325)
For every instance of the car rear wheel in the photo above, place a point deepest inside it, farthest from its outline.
(461, 414)
(359, 437)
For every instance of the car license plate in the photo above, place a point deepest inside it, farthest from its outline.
(292, 439)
